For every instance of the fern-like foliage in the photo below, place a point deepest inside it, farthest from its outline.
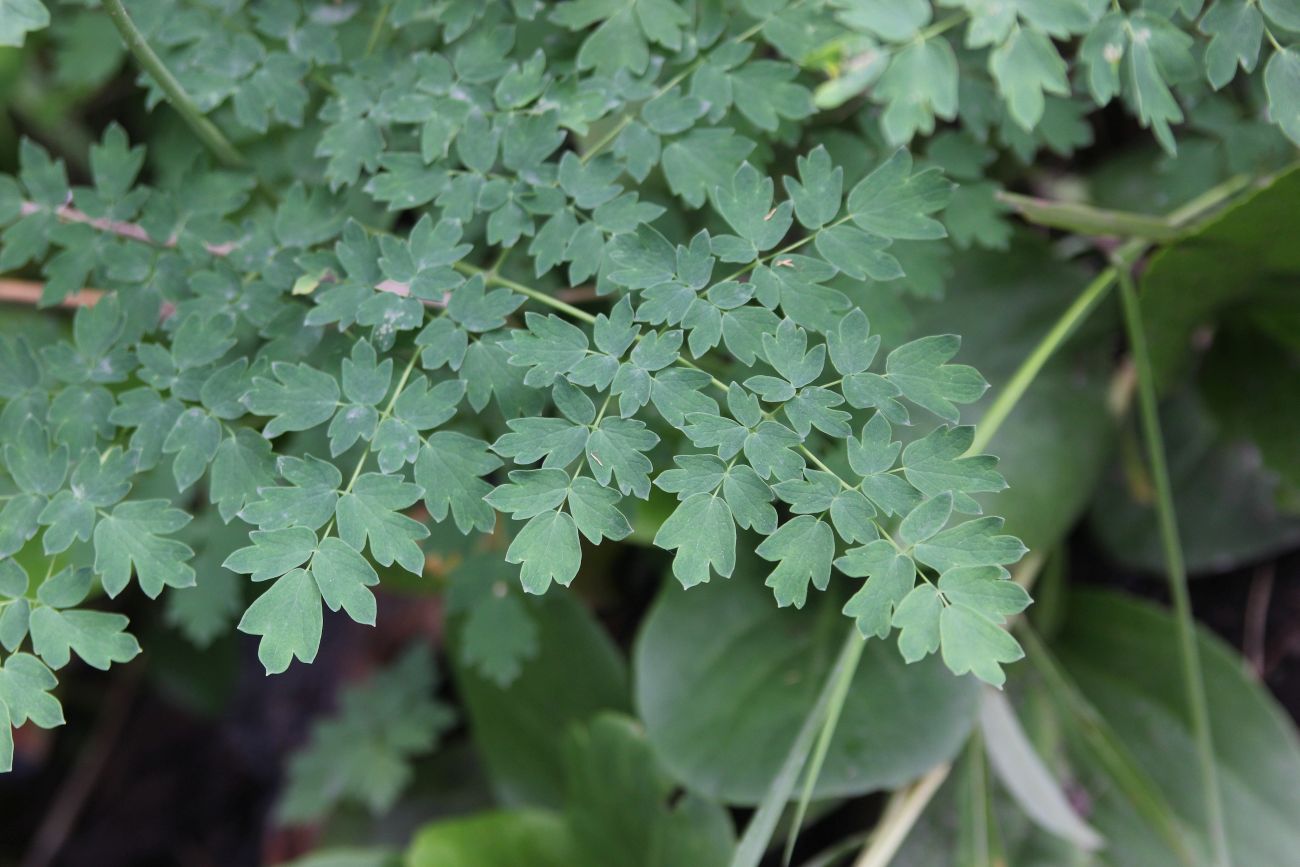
(513, 268)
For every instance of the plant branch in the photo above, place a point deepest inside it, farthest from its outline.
(762, 825)
(1189, 653)
(904, 808)
(1007, 398)
(151, 63)
(1088, 220)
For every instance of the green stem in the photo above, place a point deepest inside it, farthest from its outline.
(1028, 371)
(763, 823)
(940, 27)
(623, 122)
(1106, 748)
(205, 129)
(387, 411)
(1193, 680)
(835, 707)
(377, 28)
(1088, 220)
(1083, 306)
(536, 294)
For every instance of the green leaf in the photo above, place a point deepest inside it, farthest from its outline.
(615, 452)
(1026, 66)
(240, 469)
(97, 638)
(614, 774)
(549, 347)
(925, 520)
(530, 492)
(500, 838)
(1282, 13)
(363, 753)
(974, 543)
(917, 621)
(1156, 105)
(703, 159)
(25, 687)
(288, 617)
(450, 468)
(548, 549)
(371, 511)
(894, 203)
(34, 466)
(308, 501)
(937, 463)
(273, 552)
(131, 538)
(17, 19)
(713, 639)
(817, 193)
(342, 575)
(1145, 705)
(920, 84)
(299, 398)
(575, 673)
(857, 253)
(803, 549)
(890, 577)
(920, 371)
(701, 532)
(194, 439)
(971, 625)
(1236, 29)
(498, 634)
(1282, 82)
(746, 205)
(595, 511)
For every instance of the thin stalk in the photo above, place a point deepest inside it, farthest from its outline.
(904, 808)
(377, 28)
(761, 826)
(1189, 653)
(1033, 364)
(536, 294)
(1083, 306)
(387, 411)
(1088, 220)
(835, 707)
(205, 129)
(1106, 748)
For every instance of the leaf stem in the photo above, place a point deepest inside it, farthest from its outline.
(835, 707)
(536, 294)
(1028, 371)
(1083, 306)
(377, 28)
(205, 129)
(623, 122)
(1088, 220)
(753, 843)
(1106, 747)
(901, 813)
(1189, 653)
(387, 411)
(941, 26)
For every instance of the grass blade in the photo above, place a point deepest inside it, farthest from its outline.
(1193, 680)
(762, 825)
(1026, 778)
(1105, 747)
(839, 692)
